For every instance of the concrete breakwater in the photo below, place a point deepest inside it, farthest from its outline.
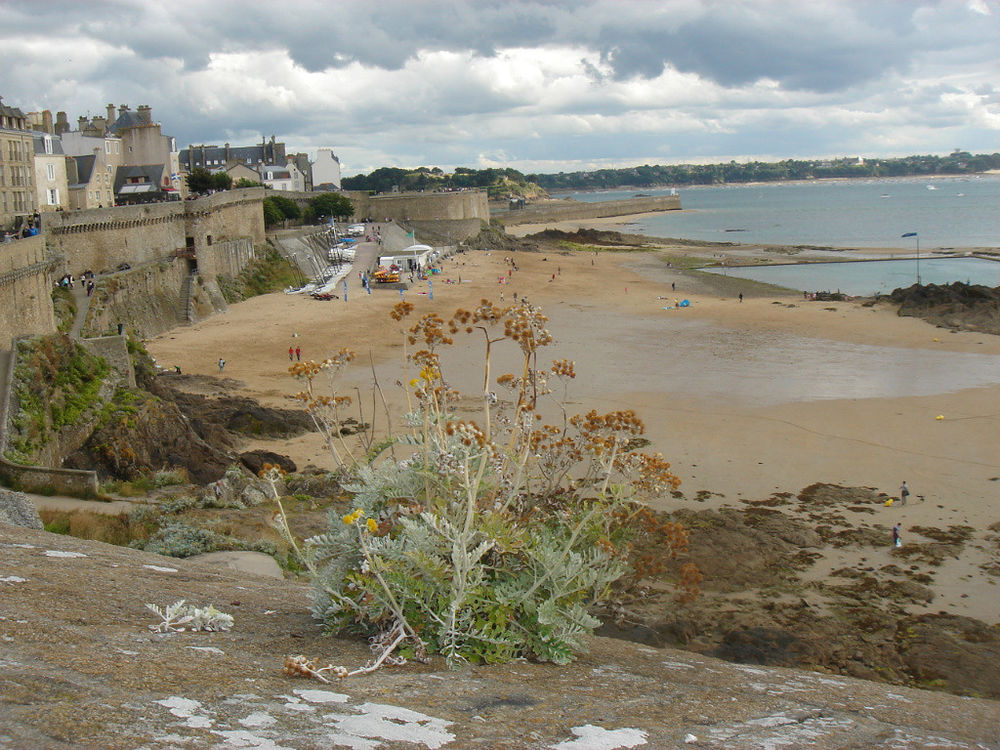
(564, 210)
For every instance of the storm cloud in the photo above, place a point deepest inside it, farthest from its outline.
(540, 86)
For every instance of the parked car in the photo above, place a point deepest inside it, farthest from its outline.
(356, 230)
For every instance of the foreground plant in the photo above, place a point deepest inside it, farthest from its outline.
(178, 617)
(493, 539)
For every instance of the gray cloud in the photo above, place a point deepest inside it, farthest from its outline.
(448, 82)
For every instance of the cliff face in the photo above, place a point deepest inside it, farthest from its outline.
(81, 669)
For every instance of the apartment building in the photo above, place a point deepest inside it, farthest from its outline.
(17, 178)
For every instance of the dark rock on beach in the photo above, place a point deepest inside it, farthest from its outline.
(958, 306)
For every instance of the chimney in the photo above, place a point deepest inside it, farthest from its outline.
(111, 113)
(47, 121)
(145, 113)
(81, 123)
(227, 153)
(122, 109)
(62, 124)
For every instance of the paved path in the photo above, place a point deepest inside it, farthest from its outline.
(82, 301)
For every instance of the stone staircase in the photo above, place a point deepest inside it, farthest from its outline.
(184, 312)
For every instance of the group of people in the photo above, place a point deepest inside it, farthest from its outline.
(68, 281)
(294, 354)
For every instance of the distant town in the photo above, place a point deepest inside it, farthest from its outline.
(123, 158)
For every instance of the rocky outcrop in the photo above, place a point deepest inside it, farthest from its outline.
(958, 306)
(760, 605)
(17, 510)
(83, 669)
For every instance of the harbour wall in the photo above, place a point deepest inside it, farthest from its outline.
(573, 210)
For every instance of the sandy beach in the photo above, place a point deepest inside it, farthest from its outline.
(746, 399)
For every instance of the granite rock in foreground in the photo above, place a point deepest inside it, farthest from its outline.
(81, 669)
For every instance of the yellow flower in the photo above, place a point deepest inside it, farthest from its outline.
(348, 519)
(414, 382)
(372, 525)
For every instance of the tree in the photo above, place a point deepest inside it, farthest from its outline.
(277, 208)
(243, 182)
(331, 204)
(221, 181)
(272, 214)
(199, 180)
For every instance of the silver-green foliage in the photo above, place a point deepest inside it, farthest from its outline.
(487, 543)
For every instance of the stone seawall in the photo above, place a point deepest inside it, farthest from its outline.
(571, 210)
(25, 290)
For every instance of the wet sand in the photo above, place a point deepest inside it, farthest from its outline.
(741, 397)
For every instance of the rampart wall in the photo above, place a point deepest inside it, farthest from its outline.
(25, 291)
(458, 215)
(102, 239)
(570, 210)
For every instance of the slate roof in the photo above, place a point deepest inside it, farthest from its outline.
(84, 169)
(149, 173)
(57, 147)
(127, 119)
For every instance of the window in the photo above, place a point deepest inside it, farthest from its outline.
(118, 147)
(51, 171)
(107, 147)
(48, 146)
(53, 195)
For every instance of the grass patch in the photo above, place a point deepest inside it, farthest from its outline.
(56, 382)
(64, 307)
(270, 272)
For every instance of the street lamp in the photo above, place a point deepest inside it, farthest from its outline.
(917, 237)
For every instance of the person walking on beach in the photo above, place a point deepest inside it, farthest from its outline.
(222, 364)
(904, 492)
(741, 297)
(298, 354)
(291, 354)
(897, 540)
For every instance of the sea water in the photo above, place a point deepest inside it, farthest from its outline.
(868, 278)
(945, 212)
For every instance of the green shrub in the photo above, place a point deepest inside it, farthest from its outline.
(487, 543)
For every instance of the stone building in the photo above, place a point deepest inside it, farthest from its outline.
(144, 145)
(17, 153)
(91, 180)
(214, 158)
(287, 178)
(326, 170)
(51, 186)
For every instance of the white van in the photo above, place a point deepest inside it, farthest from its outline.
(356, 230)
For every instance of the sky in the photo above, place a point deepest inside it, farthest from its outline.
(538, 86)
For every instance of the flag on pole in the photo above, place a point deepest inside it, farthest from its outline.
(909, 234)
(412, 234)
